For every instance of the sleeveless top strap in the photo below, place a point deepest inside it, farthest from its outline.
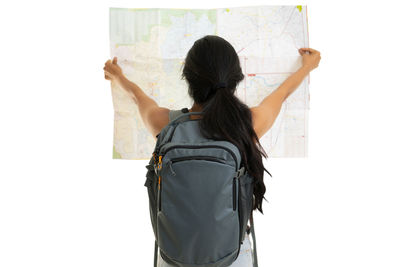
(175, 113)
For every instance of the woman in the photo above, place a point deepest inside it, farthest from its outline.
(212, 71)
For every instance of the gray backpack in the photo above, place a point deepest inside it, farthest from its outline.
(200, 197)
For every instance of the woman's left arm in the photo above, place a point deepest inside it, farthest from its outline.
(153, 116)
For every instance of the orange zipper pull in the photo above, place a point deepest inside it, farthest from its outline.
(159, 162)
(159, 193)
(159, 168)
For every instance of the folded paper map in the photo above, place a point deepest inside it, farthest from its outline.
(151, 45)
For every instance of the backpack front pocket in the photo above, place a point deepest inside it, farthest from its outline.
(198, 221)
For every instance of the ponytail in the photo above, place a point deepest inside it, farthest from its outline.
(212, 70)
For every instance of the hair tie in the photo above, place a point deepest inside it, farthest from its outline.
(220, 85)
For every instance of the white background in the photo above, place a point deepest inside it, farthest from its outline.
(65, 202)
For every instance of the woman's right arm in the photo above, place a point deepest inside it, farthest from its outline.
(266, 112)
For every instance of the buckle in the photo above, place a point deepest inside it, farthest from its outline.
(240, 172)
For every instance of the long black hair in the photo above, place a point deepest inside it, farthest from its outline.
(212, 71)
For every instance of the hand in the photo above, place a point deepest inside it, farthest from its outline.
(112, 71)
(311, 58)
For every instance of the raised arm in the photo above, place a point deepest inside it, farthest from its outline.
(153, 116)
(266, 112)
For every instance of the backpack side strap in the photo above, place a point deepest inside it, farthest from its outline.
(253, 236)
(155, 253)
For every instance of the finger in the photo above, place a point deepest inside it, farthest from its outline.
(108, 73)
(305, 50)
(114, 60)
(302, 52)
(311, 50)
(108, 62)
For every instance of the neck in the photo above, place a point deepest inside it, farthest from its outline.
(195, 108)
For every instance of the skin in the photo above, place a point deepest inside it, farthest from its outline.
(264, 114)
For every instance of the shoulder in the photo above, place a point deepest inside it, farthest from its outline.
(173, 113)
(155, 119)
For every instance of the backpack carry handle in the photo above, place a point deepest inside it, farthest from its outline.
(186, 114)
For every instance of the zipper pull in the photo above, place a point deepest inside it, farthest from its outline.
(155, 163)
(159, 163)
(170, 167)
(159, 193)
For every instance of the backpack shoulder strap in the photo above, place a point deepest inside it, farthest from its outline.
(172, 115)
(175, 113)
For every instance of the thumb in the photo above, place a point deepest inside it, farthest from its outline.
(114, 61)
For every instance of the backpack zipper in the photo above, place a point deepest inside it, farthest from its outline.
(203, 146)
(234, 193)
(159, 182)
(209, 158)
(239, 216)
(198, 157)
